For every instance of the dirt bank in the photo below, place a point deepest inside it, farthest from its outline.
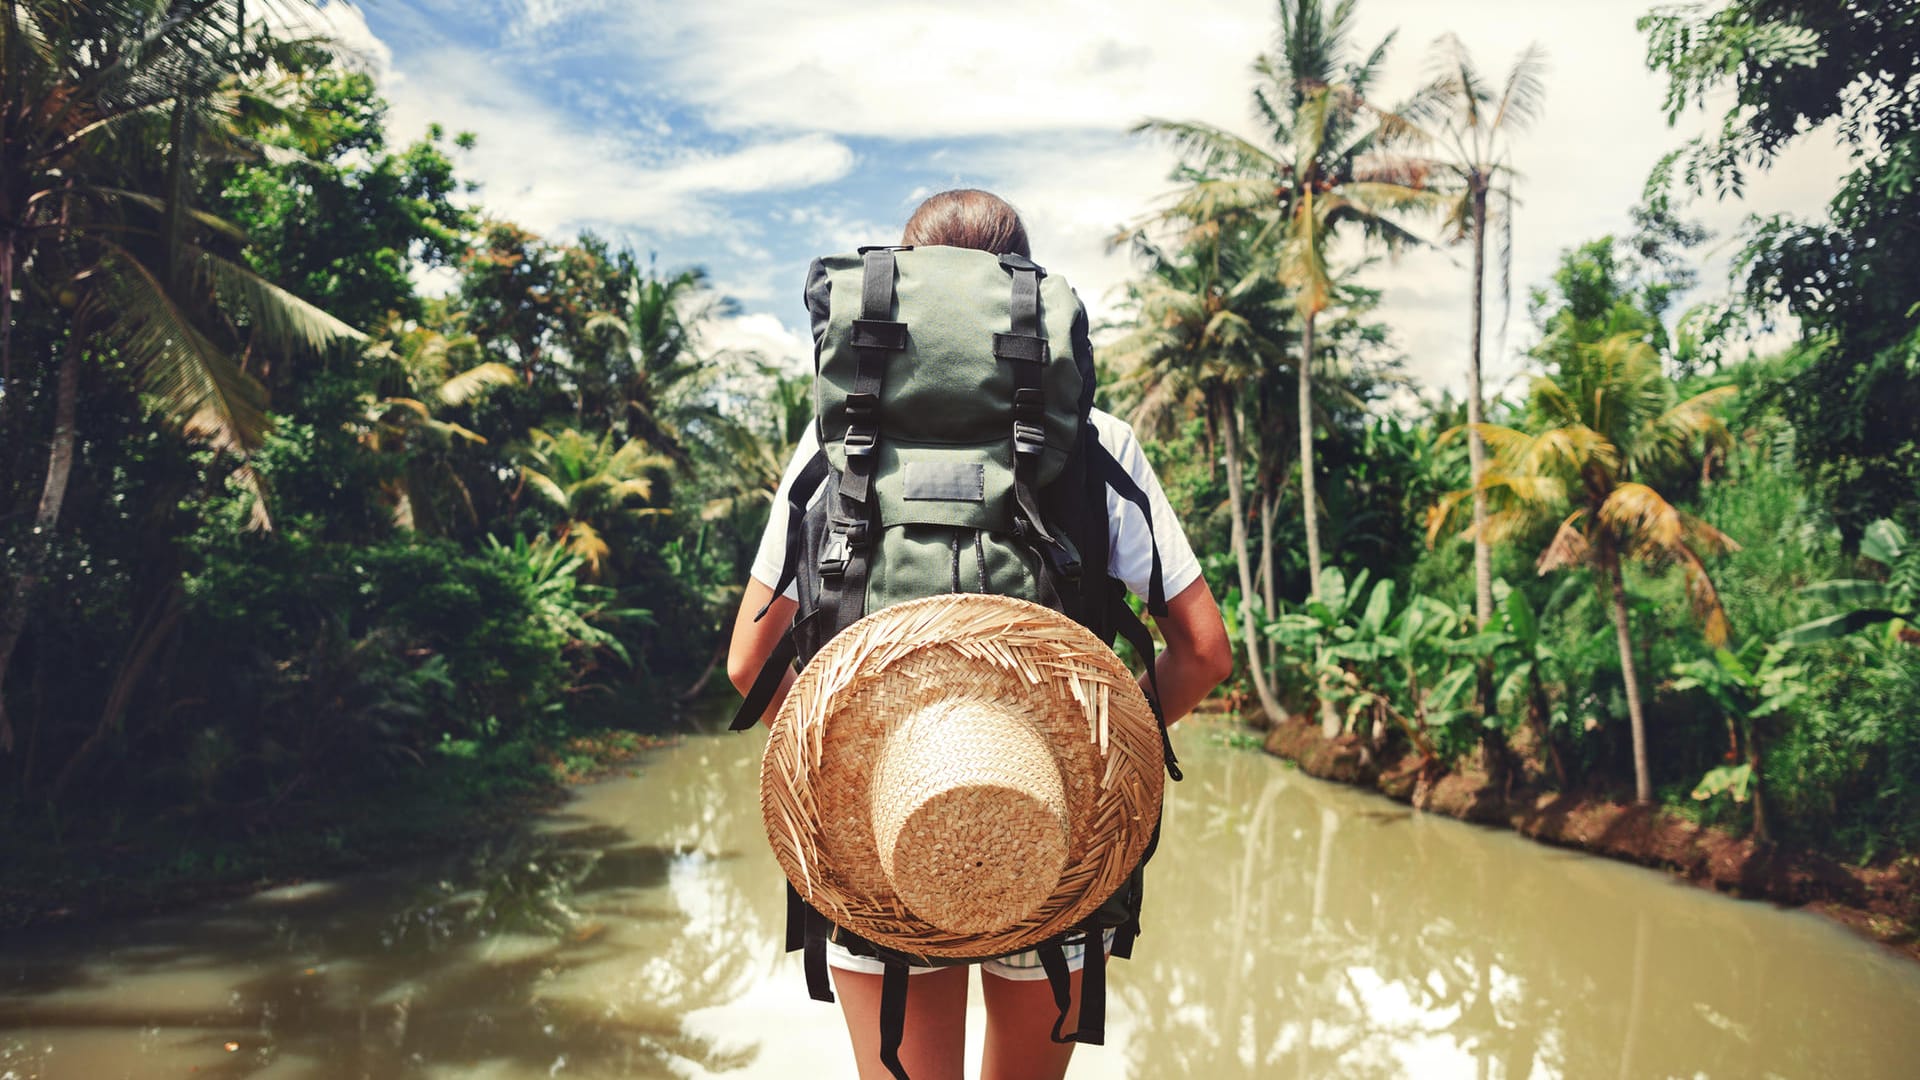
(1882, 902)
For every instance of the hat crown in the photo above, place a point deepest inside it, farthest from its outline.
(970, 815)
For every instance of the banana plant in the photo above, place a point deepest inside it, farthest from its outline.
(1868, 602)
(569, 606)
(1749, 686)
(1522, 660)
(1376, 665)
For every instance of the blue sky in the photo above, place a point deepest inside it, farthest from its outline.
(748, 136)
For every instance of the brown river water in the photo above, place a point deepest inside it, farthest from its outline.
(1293, 928)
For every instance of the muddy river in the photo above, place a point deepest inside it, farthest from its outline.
(1293, 928)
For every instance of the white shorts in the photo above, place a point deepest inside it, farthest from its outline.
(1020, 967)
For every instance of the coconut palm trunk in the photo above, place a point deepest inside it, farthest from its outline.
(1476, 447)
(1330, 722)
(1310, 505)
(1236, 504)
(1629, 674)
(1269, 590)
(53, 493)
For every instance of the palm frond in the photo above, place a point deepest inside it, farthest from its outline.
(194, 382)
(284, 320)
(476, 381)
(1568, 548)
(1524, 92)
(1213, 150)
(545, 486)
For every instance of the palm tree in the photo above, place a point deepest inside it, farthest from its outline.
(1329, 161)
(1209, 321)
(105, 109)
(1477, 123)
(661, 378)
(596, 486)
(1604, 425)
(421, 383)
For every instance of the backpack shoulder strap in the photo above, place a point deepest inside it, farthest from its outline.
(1124, 485)
(805, 483)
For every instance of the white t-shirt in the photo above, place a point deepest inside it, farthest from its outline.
(1129, 556)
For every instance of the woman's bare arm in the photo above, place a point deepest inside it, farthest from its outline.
(753, 641)
(1198, 656)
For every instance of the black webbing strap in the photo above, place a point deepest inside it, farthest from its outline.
(849, 544)
(1135, 632)
(796, 920)
(1123, 935)
(1053, 959)
(1124, 485)
(1026, 349)
(875, 335)
(814, 958)
(805, 483)
(893, 1017)
(766, 684)
(1092, 1028)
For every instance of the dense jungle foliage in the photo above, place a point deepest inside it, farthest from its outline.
(280, 525)
(283, 527)
(1669, 567)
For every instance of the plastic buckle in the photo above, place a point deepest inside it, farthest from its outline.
(1028, 439)
(838, 553)
(1029, 403)
(862, 408)
(860, 441)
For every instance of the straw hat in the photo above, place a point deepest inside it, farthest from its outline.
(961, 776)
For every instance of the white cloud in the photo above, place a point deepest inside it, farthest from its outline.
(554, 171)
(1030, 99)
(927, 68)
(341, 23)
(758, 333)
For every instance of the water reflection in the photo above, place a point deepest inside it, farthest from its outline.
(1293, 929)
(1317, 932)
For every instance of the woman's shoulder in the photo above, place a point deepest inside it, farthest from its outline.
(1117, 436)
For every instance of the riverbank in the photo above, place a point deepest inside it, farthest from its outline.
(1882, 902)
(83, 872)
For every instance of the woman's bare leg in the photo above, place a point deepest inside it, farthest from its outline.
(1020, 1016)
(935, 1043)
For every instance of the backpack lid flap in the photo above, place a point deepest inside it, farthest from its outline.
(947, 385)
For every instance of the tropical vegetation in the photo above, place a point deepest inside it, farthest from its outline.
(285, 530)
(1672, 569)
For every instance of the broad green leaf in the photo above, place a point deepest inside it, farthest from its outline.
(1734, 780)
(1836, 626)
(1851, 592)
(1885, 542)
(1379, 606)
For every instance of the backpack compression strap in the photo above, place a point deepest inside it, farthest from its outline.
(844, 559)
(1027, 350)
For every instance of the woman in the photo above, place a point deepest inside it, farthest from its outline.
(1020, 1007)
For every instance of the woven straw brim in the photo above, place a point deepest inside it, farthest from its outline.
(982, 654)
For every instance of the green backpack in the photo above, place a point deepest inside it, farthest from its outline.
(953, 393)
